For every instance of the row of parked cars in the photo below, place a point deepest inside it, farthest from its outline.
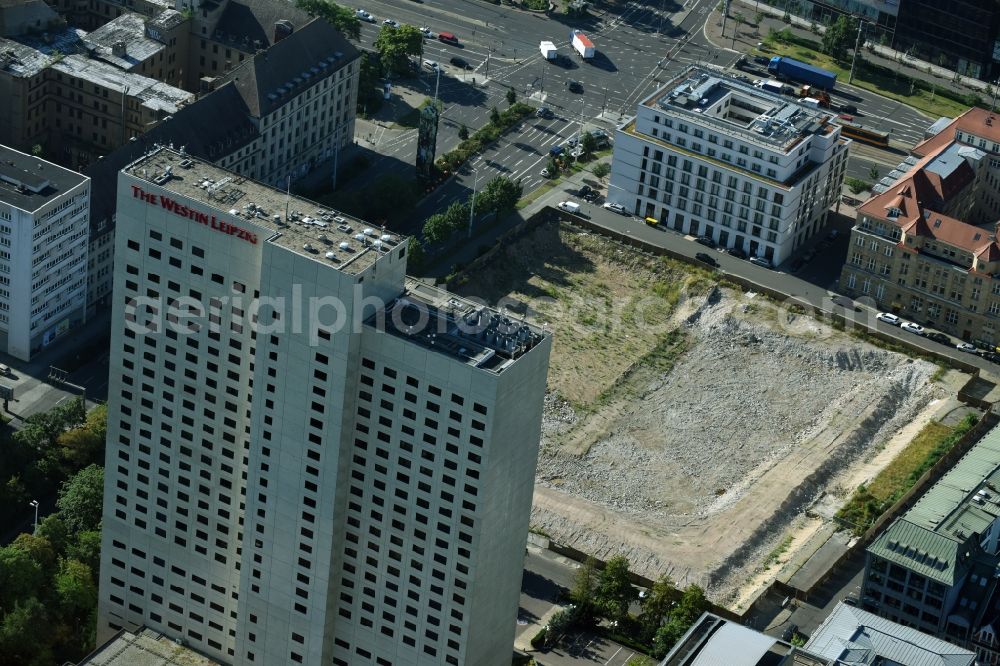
(917, 329)
(739, 253)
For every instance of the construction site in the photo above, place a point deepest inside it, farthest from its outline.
(691, 426)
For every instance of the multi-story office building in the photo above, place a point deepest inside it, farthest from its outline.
(310, 459)
(44, 227)
(268, 136)
(934, 568)
(961, 35)
(709, 155)
(924, 246)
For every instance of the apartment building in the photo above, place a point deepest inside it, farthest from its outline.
(44, 226)
(311, 460)
(924, 246)
(708, 155)
(934, 568)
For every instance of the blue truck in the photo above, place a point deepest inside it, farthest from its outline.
(802, 72)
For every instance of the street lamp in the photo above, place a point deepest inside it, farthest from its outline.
(34, 503)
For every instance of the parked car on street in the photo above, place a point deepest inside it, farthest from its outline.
(910, 327)
(430, 64)
(587, 193)
(888, 318)
(706, 241)
(706, 259)
(966, 347)
(615, 208)
(938, 337)
(556, 151)
(736, 252)
(763, 262)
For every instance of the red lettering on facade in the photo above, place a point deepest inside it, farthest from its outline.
(181, 210)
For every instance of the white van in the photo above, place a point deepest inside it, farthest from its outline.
(570, 206)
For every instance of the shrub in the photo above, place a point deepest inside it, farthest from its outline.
(538, 640)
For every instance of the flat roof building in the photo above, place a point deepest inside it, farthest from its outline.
(44, 228)
(709, 155)
(144, 647)
(311, 458)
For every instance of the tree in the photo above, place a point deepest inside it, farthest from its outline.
(86, 549)
(20, 576)
(53, 530)
(588, 144)
(416, 251)
(499, 195)
(657, 604)
(80, 499)
(19, 635)
(456, 216)
(839, 38)
(690, 607)
(75, 589)
(614, 592)
(856, 185)
(739, 20)
(494, 116)
(584, 586)
(37, 150)
(553, 167)
(873, 173)
(38, 548)
(395, 46)
(342, 18)
(601, 170)
(436, 228)
(511, 96)
(463, 132)
(369, 88)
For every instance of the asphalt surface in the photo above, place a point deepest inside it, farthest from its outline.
(638, 49)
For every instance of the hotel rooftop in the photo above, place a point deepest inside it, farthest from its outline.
(297, 224)
(731, 106)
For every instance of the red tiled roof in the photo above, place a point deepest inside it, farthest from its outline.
(980, 122)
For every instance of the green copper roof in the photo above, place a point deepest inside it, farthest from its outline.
(933, 538)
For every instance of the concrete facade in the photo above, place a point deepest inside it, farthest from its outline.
(44, 229)
(709, 155)
(320, 479)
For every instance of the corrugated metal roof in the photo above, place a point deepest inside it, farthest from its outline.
(850, 635)
(929, 537)
(734, 644)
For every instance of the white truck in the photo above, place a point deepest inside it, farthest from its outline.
(810, 102)
(570, 206)
(771, 86)
(582, 44)
(548, 50)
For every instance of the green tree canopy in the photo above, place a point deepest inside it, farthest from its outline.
(495, 116)
(614, 592)
(584, 589)
(588, 144)
(601, 170)
(80, 500)
(690, 607)
(19, 635)
(657, 604)
(87, 549)
(395, 46)
(53, 529)
(511, 96)
(840, 37)
(20, 576)
(342, 18)
(436, 228)
(75, 590)
(499, 195)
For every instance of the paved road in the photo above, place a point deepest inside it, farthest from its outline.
(638, 50)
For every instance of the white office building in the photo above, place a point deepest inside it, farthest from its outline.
(44, 228)
(709, 155)
(311, 459)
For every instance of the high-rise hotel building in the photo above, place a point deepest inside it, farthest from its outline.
(311, 459)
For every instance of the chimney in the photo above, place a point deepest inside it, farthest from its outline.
(282, 29)
(118, 49)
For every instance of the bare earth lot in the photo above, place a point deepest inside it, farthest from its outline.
(688, 425)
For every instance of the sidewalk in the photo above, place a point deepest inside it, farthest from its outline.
(877, 54)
